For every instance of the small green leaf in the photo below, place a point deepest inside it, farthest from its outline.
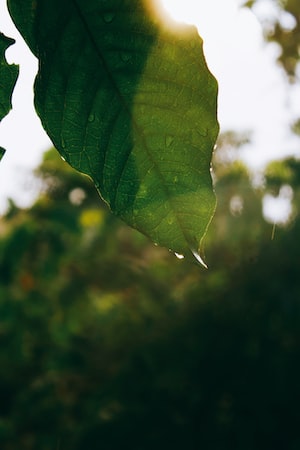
(2, 152)
(8, 77)
(127, 98)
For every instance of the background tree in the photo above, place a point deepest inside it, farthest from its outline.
(284, 29)
(107, 341)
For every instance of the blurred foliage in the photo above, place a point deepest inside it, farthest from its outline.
(283, 30)
(295, 128)
(108, 342)
(279, 173)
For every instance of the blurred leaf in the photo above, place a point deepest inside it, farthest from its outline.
(296, 127)
(8, 78)
(91, 217)
(128, 99)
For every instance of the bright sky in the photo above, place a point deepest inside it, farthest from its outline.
(252, 93)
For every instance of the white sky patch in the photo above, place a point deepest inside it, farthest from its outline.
(278, 210)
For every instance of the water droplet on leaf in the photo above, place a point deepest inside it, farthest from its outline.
(91, 117)
(126, 57)
(198, 258)
(108, 17)
(179, 256)
(169, 140)
(127, 88)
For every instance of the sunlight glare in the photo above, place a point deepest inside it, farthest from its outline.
(181, 11)
(214, 19)
(205, 14)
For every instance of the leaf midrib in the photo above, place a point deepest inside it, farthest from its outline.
(135, 124)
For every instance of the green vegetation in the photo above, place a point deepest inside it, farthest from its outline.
(126, 97)
(110, 342)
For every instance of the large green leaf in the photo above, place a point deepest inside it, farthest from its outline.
(127, 98)
(8, 78)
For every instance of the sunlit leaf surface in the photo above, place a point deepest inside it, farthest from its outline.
(126, 97)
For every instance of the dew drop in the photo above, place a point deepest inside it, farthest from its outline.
(126, 57)
(169, 140)
(198, 258)
(63, 158)
(2, 151)
(170, 220)
(108, 17)
(127, 88)
(179, 256)
(91, 118)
